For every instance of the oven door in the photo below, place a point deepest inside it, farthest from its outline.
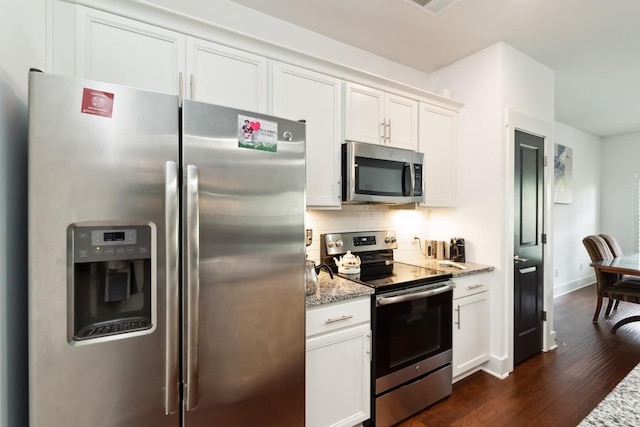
(375, 173)
(413, 333)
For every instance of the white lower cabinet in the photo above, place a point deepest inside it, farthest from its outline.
(338, 360)
(470, 324)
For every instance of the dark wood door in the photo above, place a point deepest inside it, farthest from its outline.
(528, 251)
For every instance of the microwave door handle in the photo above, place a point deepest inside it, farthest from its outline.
(407, 184)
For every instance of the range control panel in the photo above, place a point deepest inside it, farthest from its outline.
(339, 243)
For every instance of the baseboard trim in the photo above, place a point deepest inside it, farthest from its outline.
(497, 367)
(568, 287)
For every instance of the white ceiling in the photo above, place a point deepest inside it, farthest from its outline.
(592, 45)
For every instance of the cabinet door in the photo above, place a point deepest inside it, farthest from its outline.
(437, 140)
(401, 116)
(118, 50)
(337, 379)
(470, 332)
(224, 76)
(363, 114)
(300, 94)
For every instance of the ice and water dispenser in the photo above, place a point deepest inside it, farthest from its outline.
(110, 281)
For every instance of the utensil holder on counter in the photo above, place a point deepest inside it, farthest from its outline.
(437, 249)
(431, 249)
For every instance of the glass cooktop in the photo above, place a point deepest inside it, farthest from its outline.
(401, 277)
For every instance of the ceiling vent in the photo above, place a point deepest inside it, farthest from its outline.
(433, 7)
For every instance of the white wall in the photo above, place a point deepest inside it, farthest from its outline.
(619, 199)
(22, 45)
(528, 86)
(490, 83)
(572, 222)
(475, 81)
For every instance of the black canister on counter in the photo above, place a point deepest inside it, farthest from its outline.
(457, 249)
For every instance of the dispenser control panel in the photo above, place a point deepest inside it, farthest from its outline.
(92, 244)
(113, 237)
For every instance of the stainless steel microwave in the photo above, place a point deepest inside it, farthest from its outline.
(378, 174)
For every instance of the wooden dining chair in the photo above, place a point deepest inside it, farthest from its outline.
(616, 250)
(614, 247)
(609, 285)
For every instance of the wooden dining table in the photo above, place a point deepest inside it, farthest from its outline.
(626, 264)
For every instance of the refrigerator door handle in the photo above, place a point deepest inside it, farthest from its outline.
(192, 233)
(172, 289)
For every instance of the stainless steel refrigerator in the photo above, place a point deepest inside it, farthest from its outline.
(166, 260)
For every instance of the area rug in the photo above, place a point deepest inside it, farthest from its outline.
(620, 406)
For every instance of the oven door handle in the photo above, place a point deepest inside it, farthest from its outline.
(413, 296)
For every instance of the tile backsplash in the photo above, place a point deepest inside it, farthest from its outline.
(406, 223)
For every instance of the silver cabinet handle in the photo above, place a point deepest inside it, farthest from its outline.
(384, 131)
(192, 283)
(339, 319)
(389, 133)
(458, 322)
(479, 285)
(172, 289)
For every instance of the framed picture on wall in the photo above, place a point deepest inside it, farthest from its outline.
(562, 174)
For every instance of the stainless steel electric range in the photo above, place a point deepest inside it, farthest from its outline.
(411, 323)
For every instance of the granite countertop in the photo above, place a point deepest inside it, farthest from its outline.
(336, 289)
(341, 289)
(472, 267)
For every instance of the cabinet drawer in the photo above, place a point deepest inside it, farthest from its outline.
(338, 315)
(470, 285)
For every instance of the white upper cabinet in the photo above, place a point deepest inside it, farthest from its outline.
(401, 122)
(118, 50)
(225, 76)
(379, 117)
(438, 141)
(300, 94)
(363, 114)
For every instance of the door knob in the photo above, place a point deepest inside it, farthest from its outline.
(517, 259)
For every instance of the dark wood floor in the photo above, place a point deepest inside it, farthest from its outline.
(558, 388)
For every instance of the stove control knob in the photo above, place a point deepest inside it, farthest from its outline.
(338, 243)
(330, 244)
(389, 239)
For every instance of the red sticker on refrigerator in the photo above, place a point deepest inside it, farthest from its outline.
(97, 102)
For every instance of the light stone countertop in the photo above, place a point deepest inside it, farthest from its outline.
(338, 289)
(341, 289)
(472, 267)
